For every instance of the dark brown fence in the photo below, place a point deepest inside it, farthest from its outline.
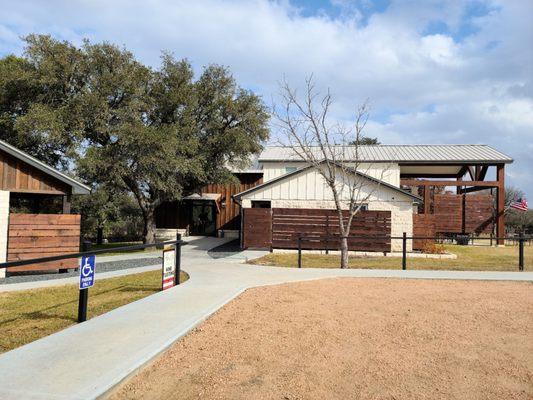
(257, 228)
(479, 213)
(314, 224)
(423, 226)
(41, 235)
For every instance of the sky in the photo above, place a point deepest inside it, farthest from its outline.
(433, 71)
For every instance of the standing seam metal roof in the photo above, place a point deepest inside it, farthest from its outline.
(440, 153)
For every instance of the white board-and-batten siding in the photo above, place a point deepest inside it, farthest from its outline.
(387, 172)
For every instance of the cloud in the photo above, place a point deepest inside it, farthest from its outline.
(434, 71)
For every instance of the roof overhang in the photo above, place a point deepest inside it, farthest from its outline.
(203, 197)
(77, 187)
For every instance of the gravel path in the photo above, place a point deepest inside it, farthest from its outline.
(100, 267)
(354, 339)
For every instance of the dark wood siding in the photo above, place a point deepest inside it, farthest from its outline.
(18, 176)
(315, 224)
(41, 235)
(176, 214)
(479, 213)
(423, 226)
(449, 213)
(257, 228)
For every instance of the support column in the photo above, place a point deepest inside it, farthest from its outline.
(4, 227)
(500, 203)
(427, 200)
(67, 203)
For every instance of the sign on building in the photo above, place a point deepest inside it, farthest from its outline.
(169, 268)
(87, 271)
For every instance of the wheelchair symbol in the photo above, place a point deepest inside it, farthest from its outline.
(86, 270)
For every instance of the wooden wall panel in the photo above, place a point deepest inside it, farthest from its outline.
(18, 176)
(316, 224)
(40, 235)
(424, 225)
(257, 228)
(479, 213)
(448, 209)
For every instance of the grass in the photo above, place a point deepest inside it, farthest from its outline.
(28, 315)
(469, 258)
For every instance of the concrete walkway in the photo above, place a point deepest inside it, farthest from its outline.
(87, 360)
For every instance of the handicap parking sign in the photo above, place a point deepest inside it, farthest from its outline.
(87, 270)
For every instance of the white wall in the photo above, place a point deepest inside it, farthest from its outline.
(4, 220)
(389, 173)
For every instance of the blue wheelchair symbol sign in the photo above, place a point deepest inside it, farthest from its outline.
(87, 270)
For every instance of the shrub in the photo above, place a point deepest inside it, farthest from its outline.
(433, 248)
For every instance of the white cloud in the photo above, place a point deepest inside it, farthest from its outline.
(477, 88)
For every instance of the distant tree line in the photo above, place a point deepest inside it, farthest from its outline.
(138, 135)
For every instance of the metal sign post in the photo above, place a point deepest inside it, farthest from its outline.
(87, 273)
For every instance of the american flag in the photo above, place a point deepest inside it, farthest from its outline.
(520, 204)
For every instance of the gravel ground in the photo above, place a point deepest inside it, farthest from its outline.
(100, 267)
(354, 339)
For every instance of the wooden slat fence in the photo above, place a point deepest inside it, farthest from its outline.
(41, 235)
(316, 224)
(257, 228)
(479, 213)
(423, 226)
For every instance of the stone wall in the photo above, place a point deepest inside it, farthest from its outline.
(4, 222)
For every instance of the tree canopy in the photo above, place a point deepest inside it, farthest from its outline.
(156, 133)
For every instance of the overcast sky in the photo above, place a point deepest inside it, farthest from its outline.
(434, 71)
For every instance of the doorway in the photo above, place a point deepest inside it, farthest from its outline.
(203, 218)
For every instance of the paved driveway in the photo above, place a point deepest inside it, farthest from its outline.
(86, 360)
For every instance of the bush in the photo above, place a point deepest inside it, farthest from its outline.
(433, 248)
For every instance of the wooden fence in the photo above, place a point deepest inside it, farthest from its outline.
(41, 235)
(257, 228)
(423, 226)
(315, 224)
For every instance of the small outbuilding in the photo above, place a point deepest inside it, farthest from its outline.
(35, 211)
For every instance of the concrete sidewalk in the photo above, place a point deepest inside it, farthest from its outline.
(86, 360)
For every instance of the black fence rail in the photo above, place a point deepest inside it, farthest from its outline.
(86, 252)
(329, 242)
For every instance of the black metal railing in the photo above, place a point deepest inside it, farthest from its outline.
(86, 251)
(327, 240)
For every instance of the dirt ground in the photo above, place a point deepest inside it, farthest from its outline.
(354, 339)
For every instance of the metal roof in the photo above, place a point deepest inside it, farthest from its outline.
(418, 153)
(77, 187)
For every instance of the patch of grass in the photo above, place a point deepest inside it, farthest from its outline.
(469, 258)
(111, 246)
(28, 315)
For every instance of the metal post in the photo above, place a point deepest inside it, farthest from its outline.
(327, 233)
(521, 252)
(84, 293)
(491, 239)
(404, 251)
(299, 251)
(177, 274)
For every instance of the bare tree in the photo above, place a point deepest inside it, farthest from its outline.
(333, 150)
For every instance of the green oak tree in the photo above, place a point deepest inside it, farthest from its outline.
(156, 133)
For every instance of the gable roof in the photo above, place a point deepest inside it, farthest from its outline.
(411, 154)
(306, 168)
(77, 187)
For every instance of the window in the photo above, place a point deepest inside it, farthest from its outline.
(260, 204)
(290, 169)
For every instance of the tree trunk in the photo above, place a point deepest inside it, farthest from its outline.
(149, 226)
(344, 252)
(100, 235)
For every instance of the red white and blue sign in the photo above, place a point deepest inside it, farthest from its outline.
(169, 268)
(87, 271)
